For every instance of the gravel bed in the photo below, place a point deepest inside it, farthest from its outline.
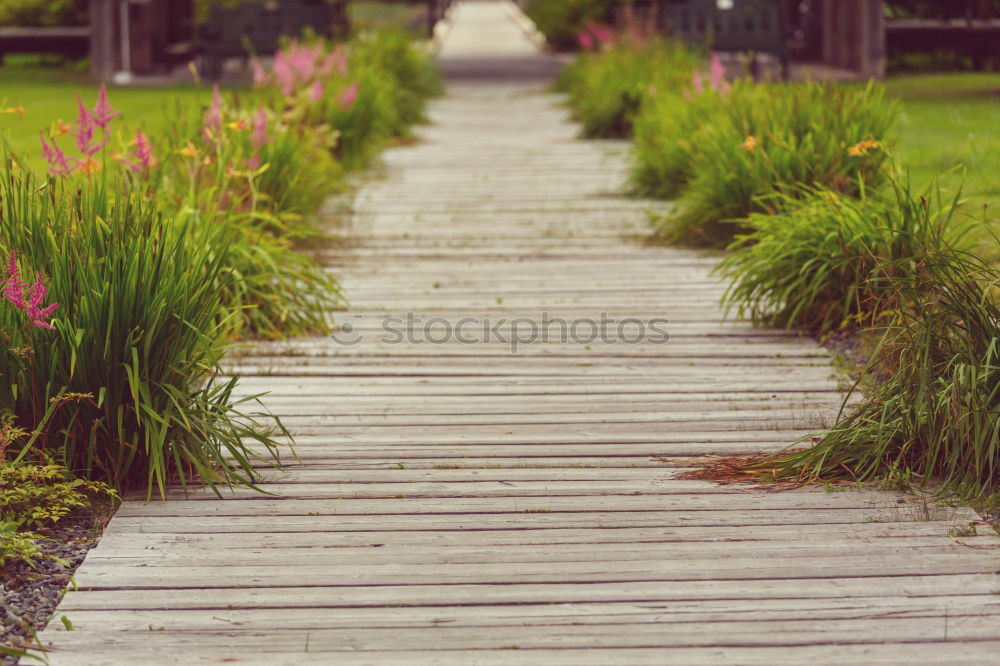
(29, 596)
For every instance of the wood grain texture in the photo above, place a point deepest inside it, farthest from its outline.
(460, 504)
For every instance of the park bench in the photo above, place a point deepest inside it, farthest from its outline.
(260, 27)
(742, 26)
(70, 41)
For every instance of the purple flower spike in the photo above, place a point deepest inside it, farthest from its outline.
(103, 113)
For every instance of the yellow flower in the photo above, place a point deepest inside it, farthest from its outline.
(749, 144)
(59, 128)
(861, 148)
(19, 110)
(238, 125)
(89, 166)
(207, 160)
(189, 150)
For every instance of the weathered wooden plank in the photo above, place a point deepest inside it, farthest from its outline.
(945, 653)
(454, 501)
(120, 536)
(917, 588)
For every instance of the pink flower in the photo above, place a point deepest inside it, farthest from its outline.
(54, 155)
(586, 40)
(13, 286)
(283, 74)
(602, 33)
(697, 82)
(28, 298)
(143, 153)
(336, 61)
(258, 134)
(213, 117)
(717, 74)
(316, 92)
(103, 113)
(348, 95)
(84, 134)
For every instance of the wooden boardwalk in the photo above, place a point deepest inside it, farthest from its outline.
(457, 504)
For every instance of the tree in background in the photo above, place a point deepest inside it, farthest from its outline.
(32, 13)
(561, 21)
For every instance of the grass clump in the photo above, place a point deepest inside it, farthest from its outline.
(819, 262)
(122, 385)
(606, 87)
(775, 138)
(561, 21)
(936, 415)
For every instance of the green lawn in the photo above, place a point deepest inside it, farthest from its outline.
(49, 93)
(951, 123)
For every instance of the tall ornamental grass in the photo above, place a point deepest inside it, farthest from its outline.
(260, 177)
(367, 92)
(607, 85)
(665, 125)
(562, 21)
(936, 416)
(820, 262)
(774, 138)
(122, 390)
(134, 262)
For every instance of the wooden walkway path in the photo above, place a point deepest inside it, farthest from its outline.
(459, 505)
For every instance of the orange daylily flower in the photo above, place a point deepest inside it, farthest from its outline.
(60, 127)
(89, 165)
(189, 150)
(238, 125)
(749, 144)
(861, 148)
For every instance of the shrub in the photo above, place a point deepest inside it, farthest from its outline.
(664, 126)
(39, 495)
(817, 264)
(561, 21)
(17, 546)
(123, 384)
(264, 180)
(937, 414)
(607, 87)
(410, 66)
(368, 91)
(762, 139)
(43, 12)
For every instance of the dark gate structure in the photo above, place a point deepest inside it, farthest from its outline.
(837, 34)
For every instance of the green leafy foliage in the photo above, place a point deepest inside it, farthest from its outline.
(32, 13)
(936, 416)
(40, 495)
(123, 385)
(562, 20)
(818, 263)
(18, 546)
(607, 87)
(768, 138)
